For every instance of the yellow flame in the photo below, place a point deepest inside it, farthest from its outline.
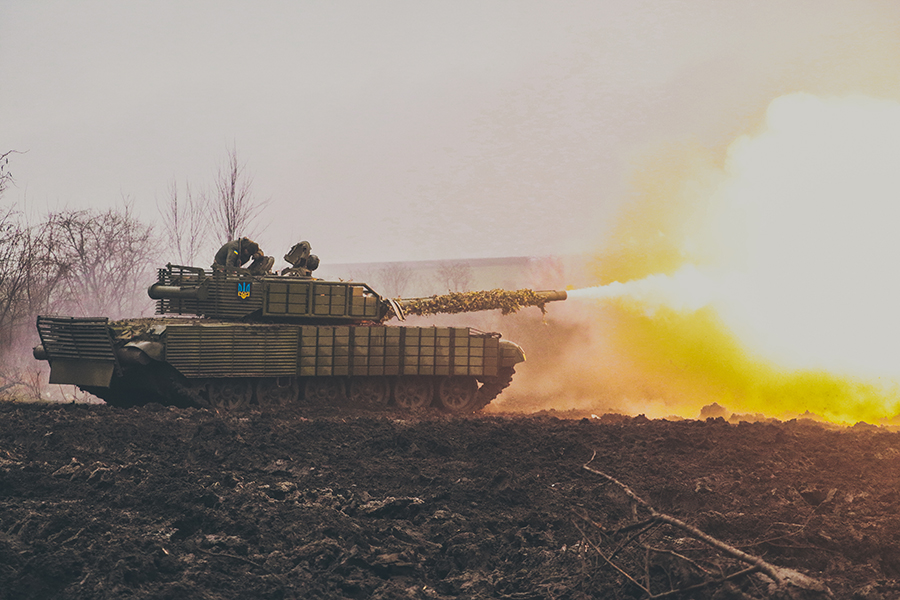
(769, 284)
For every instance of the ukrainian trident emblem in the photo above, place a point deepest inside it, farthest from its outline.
(243, 290)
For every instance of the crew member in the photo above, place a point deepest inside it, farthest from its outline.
(237, 252)
(302, 262)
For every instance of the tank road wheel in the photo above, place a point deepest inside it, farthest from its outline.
(324, 390)
(277, 391)
(370, 392)
(413, 392)
(229, 394)
(457, 393)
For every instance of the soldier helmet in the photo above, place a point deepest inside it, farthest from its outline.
(249, 246)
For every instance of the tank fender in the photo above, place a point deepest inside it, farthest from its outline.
(510, 353)
(141, 353)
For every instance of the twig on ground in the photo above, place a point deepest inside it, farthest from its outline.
(591, 521)
(681, 556)
(648, 526)
(608, 561)
(705, 584)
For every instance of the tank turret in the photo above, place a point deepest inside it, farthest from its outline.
(236, 294)
(225, 338)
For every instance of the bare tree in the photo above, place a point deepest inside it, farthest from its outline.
(28, 278)
(14, 309)
(232, 207)
(394, 279)
(104, 259)
(14, 244)
(41, 269)
(11, 242)
(185, 226)
(454, 276)
(95, 263)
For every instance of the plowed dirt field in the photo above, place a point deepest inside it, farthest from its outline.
(152, 502)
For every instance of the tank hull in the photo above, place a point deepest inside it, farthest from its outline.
(229, 365)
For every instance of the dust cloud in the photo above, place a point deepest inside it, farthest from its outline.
(765, 283)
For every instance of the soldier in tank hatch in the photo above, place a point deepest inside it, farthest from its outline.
(302, 262)
(236, 253)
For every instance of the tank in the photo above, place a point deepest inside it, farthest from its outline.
(225, 339)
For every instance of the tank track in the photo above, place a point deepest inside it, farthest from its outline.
(163, 385)
(492, 387)
(110, 396)
(144, 385)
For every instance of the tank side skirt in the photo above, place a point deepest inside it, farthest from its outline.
(232, 350)
(209, 351)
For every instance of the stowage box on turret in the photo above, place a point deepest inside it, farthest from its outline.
(225, 339)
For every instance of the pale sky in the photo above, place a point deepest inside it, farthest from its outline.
(411, 130)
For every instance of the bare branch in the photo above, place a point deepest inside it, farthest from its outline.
(183, 222)
(232, 208)
(6, 177)
(783, 577)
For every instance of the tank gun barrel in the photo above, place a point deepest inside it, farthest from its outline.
(553, 295)
(457, 302)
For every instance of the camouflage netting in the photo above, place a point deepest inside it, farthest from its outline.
(148, 328)
(460, 302)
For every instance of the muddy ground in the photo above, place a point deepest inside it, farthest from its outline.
(98, 502)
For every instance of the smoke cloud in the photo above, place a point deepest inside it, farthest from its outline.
(767, 284)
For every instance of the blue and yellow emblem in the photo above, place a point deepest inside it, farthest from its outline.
(243, 290)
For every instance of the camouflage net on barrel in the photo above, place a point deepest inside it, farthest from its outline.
(459, 302)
